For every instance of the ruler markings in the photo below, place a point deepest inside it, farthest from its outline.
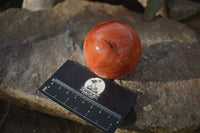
(76, 111)
(88, 99)
(68, 88)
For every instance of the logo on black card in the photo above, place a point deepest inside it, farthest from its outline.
(93, 87)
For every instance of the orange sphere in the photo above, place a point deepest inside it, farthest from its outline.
(112, 49)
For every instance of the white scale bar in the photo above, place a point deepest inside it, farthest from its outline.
(77, 112)
(88, 99)
(85, 98)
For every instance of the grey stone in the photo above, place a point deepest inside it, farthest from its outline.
(37, 5)
(179, 8)
(34, 45)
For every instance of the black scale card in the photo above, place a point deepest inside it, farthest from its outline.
(100, 102)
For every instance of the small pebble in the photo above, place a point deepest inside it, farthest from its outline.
(147, 108)
(34, 130)
(175, 129)
(145, 57)
(35, 75)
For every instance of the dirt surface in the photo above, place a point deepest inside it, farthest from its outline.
(20, 120)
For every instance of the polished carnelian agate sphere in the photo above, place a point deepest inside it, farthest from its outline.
(112, 49)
